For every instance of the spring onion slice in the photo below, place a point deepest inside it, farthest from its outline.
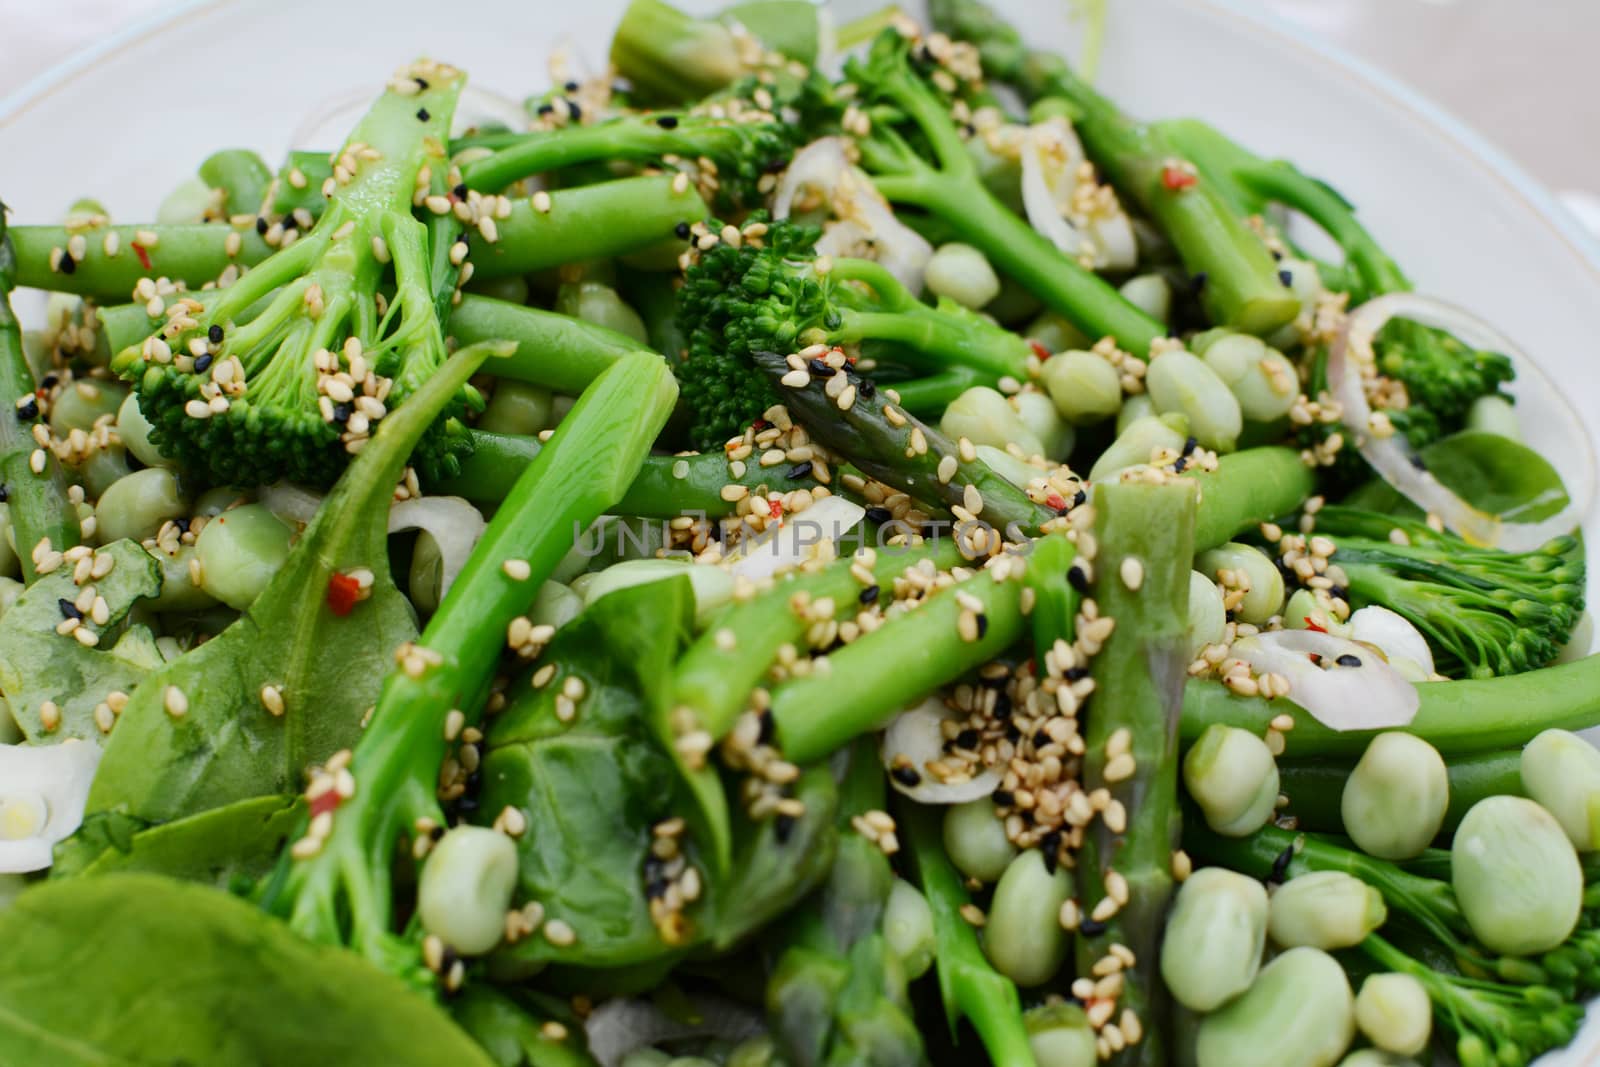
(916, 738)
(1343, 684)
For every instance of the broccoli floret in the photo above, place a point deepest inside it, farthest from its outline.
(294, 390)
(1484, 611)
(1442, 377)
(768, 291)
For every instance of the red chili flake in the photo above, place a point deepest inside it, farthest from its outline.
(1314, 658)
(326, 801)
(1055, 501)
(1310, 625)
(1175, 178)
(144, 257)
(343, 592)
(1039, 349)
(759, 425)
(775, 509)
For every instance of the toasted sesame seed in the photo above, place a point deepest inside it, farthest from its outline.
(36, 461)
(541, 202)
(176, 703)
(947, 469)
(518, 570)
(972, 499)
(454, 722)
(1120, 767)
(1104, 910)
(973, 914)
(86, 637)
(49, 716)
(1117, 887)
(1132, 571)
(272, 699)
(1182, 865)
(559, 933)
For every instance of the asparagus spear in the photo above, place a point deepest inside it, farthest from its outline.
(1146, 551)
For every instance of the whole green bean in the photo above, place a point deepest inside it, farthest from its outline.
(192, 254)
(1055, 601)
(1248, 488)
(555, 351)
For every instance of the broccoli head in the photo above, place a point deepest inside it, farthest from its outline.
(1484, 611)
(289, 371)
(765, 289)
(1442, 377)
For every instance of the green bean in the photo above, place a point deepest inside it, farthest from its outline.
(908, 928)
(1394, 1012)
(1215, 933)
(1135, 444)
(1494, 414)
(600, 304)
(1395, 799)
(1299, 1013)
(1326, 910)
(961, 273)
(1023, 936)
(1516, 876)
(1055, 600)
(1039, 414)
(239, 552)
(136, 506)
(1247, 489)
(1263, 596)
(1561, 771)
(555, 351)
(192, 254)
(242, 177)
(1181, 382)
(1231, 775)
(1150, 293)
(1085, 387)
(1262, 379)
(984, 417)
(466, 886)
(1208, 618)
(516, 408)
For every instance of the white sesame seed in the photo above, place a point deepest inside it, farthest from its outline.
(1132, 571)
(176, 703)
(518, 570)
(1120, 767)
(541, 202)
(453, 724)
(559, 933)
(272, 699)
(49, 716)
(796, 379)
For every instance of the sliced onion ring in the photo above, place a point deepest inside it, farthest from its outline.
(1048, 182)
(916, 735)
(623, 1024)
(862, 211)
(1394, 459)
(455, 525)
(1371, 696)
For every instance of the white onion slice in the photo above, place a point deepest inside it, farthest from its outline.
(797, 539)
(623, 1024)
(455, 525)
(290, 502)
(1393, 458)
(1401, 643)
(862, 212)
(1371, 696)
(1051, 155)
(43, 791)
(915, 735)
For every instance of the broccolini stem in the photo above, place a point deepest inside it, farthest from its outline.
(870, 680)
(191, 254)
(1315, 788)
(1457, 718)
(932, 393)
(1242, 288)
(1146, 539)
(968, 985)
(634, 138)
(40, 512)
(554, 351)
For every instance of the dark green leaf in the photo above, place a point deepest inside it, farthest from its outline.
(135, 969)
(1497, 474)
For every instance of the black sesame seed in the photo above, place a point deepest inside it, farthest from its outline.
(1013, 734)
(866, 388)
(460, 191)
(798, 471)
(967, 739)
(1280, 865)
(69, 610)
(341, 413)
(783, 828)
(667, 122)
(1276, 255)
(869, 595)
(1079, 497)
(1197, 282)
(1179, 465)
(907, 776)
(655, 888)
(768, 728)
(682, 230)
(422, 114)
(182, 525)
(68, 264)
(1052, 858)
(1416, 461)
(879, 515)
(422, 83)
(571, 87)
(1349, 659)
(29, 409)
(1286, 277)
(5, 493)
(1338, 592)
(983, 625)
(50, 381)
(214, 334)
(1091, 928)
(203, 363)
(1189, 445)
(1075, 674)
(1004, 798)
(820, 369)
(545, 109)
(1077, 578)
(575, 110)
(1041, 738)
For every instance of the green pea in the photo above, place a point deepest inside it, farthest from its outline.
(1516, 876)
(600, 304)
(425, 580)
(1138, 442)
(555, 605)
(1208, 619)
(1215, 933)
(1299, 1013)
(80, 404)
(1395, 1014)
(516, 407)
(136, 506)
(985, 417)
(1262, 379)
(1134, 406)
(975, 840)
(1181, 382)
(1060, 1036)
(1494, 414)
(240, 550)
(1150, 293)
(466, 886)
(1231, 775)
(1395, 799)
(908, 928)
(1264, 598)
(178, 589)
(961, 273)
(1023, 937)
(1085, 387)
(1041, 416)
(10, 562)
(1324, 910)
(103, 467)
(1056, 334)
(1561, 771)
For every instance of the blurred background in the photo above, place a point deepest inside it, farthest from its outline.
(1517, 72)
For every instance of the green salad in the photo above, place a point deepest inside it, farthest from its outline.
(823, 545)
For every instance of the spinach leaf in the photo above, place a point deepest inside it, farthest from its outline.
(137, 969)
(38, 664)
(1497, 474)
(224, 847)
(328, 667)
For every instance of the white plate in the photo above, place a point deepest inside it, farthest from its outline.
(128, 120)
